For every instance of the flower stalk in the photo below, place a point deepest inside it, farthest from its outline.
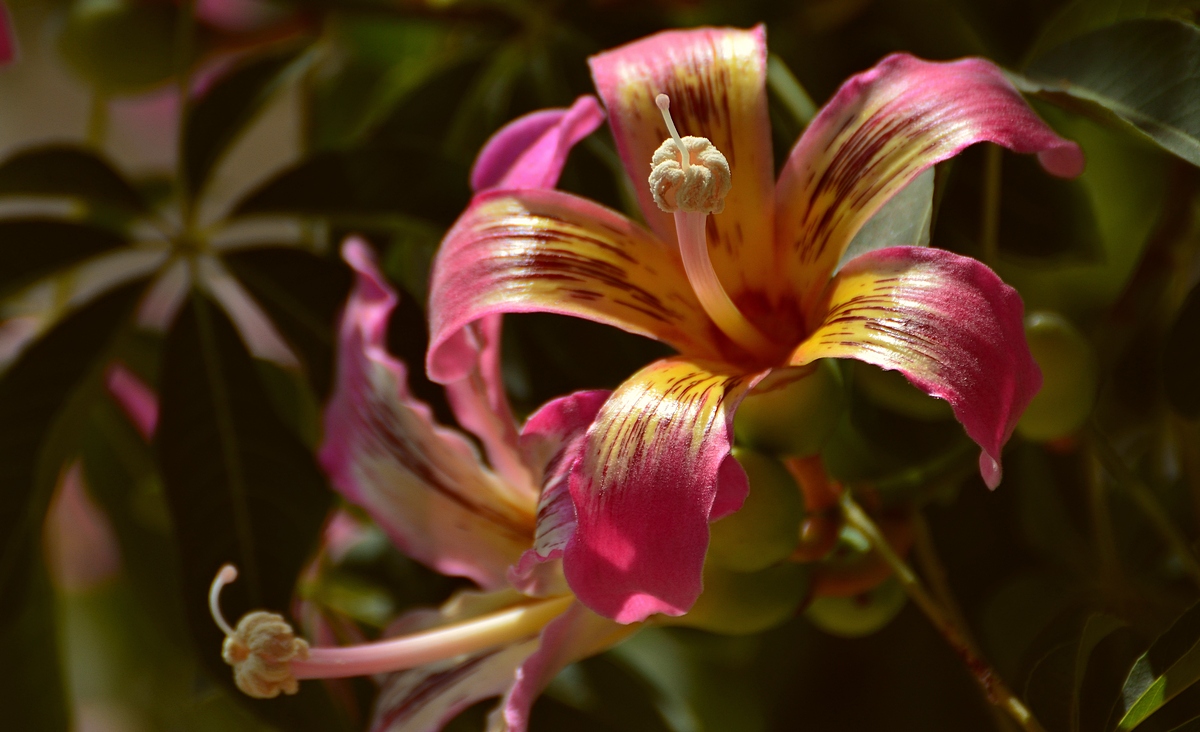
(994, 688)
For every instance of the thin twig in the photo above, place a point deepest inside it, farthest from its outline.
(994, 688)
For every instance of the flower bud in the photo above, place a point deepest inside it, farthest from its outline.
(1069, 378)
(740, 603)
(767, 527)
(789, 416)
(853, 617)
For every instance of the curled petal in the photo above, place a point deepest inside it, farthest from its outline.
(716, 81)
(422, 483)
(881, 129)
(481, 405)
(546, 251)
(530, 151)
(573, 636)
(426, 698)
(552, 441)
(948, 324)
(655, 465)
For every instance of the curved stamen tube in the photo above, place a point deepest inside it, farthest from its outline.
(268, 659)
(693, 246)
(396, 654)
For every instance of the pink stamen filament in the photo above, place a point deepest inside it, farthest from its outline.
(693, 246)
(396, 654)
(482, 633)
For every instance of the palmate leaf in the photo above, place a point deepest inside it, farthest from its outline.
(31, 249)
(34, 393)
(1145, 71)
(1171, 665)
(68, 172)
(240, 488)
(225, 110)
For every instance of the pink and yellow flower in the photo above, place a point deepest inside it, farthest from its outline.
(741, 286)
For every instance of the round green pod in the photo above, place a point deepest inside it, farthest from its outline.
(741, 603)
(1070, 377)
(854, 617)
(121, 46)
(782, 416)
(892, 391)
(766, 529)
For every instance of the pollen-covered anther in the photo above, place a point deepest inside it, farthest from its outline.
(261, 650)
(700, 186)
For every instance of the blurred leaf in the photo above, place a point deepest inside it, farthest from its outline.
(365, 186)
(1147, 72)
(303, 294)
(120, 46)
(31, 249)
(1171, 665)
(226, 109)
(1084, 16)
(389, 59)
(70, 172)
(33, 395)
(241, 488)
(1181, 358)
(1190, 726)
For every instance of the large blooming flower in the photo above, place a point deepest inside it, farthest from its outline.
(742, 280)
(427, 487)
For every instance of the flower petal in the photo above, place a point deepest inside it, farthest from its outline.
(879, 131)
(547, 251)
(8, 37)
(947, 323)
(422, 483)
(426, 698)
(481, 405)
(644, 491)
(573, 636)
(716, 79)
(530, 151)
(552, 441)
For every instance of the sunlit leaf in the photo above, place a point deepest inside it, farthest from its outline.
(1171, 665)
(69, 172)
(1146, 72)
(225, 110)
(240, 487)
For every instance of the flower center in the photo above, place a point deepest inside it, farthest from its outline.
(267, 657)
(690, 178)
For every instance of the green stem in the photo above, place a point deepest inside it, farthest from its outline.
(1146, 501)
(994, 688)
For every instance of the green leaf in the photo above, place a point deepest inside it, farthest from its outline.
(241, 488)
(303, 294)
(69, 172)
(1146, 72)
(226, 110)
(1171, 665)
(365, 183)
(33, 395)
(118, 46)
(31, 249)
(1083, 16)
(1181, 354)
(1189, 726)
